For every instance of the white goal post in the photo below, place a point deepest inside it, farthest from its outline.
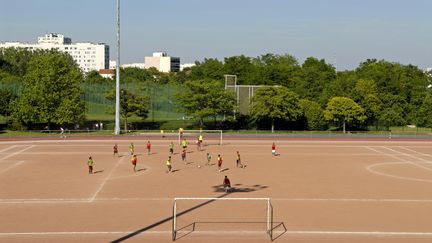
(209, 136)
(206, 201)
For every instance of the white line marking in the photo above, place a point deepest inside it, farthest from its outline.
(106, 179)
(370, 169)
(12, 166)
(18, 152)
(412, 156)
(219, 232)
(86, 200)
(396, 157)
(8, 148)
(411, 150)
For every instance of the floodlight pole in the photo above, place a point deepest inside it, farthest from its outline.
(117, 105)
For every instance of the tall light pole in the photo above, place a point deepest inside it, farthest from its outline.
(117, 108)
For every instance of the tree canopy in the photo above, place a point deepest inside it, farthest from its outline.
(51, 91)
(275, 103)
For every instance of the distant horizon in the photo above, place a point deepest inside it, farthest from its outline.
(343, 32)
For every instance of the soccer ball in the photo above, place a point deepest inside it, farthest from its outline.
(199, 166)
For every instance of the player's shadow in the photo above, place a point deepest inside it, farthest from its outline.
(239, 188)
(152, 153)
(143, 169)
(189, 162)
(98, 171)
(176, 170)
(168, 219)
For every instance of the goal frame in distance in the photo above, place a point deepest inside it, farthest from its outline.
(269, 217)
(218, 132)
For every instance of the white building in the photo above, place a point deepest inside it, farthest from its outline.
(162, 62)
(89, 56)
(186, 65)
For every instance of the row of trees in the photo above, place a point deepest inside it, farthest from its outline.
(311, 95)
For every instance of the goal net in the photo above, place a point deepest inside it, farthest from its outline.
(210, 137)
(218, 216)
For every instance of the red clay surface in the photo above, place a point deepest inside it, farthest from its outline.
(321, 191)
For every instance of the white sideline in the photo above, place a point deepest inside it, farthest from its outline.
(244, 232)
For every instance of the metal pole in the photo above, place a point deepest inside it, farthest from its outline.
(117, 108)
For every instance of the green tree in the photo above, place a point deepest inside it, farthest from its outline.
(424, 112)
(366, 94)
(316, 76)
(393, 111)
(206, 98)
(343, 110)
(313, 113)
(276, 70)
(6, 99)
(275, 103)
(209, 69)
(130, 105)
(51, 91)
(93, 77)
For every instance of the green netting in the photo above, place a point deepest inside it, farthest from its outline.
(162, 101)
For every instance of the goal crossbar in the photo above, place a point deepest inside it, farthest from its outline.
(269, 210)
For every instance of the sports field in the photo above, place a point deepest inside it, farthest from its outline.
(322, 190)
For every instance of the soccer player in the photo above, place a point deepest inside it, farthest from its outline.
(148, 147)
(183, 156)
(200, 141)
(227, 184)
(239, 164)
(274, 149)
(90, 164)
(134, 161)
(209, 157)
(184, 144)
(115, 150)
(219, 161)
(132, 148)
(168, 164)
(181, 132)
(171, 147)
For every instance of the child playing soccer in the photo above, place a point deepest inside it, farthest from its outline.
(209, 157)
(90, 165)
(184, 144)
(219, 161)
(168, 164)
(239, 164)
(115, 150)
(132, 148)
(226, 184)
(183, 156)
(171, 147)
(134, 161)
(274, 149)
(148, 147)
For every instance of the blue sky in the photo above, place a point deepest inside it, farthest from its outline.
(344, 32)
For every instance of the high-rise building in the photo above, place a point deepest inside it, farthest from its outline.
(89, 56)
(162, 62)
